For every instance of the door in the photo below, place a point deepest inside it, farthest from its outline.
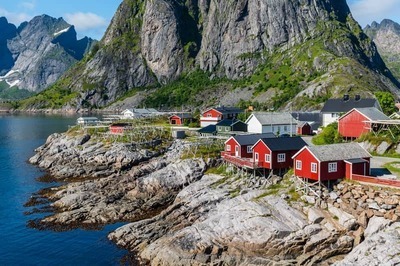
(237, 151)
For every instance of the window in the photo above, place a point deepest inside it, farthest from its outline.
(285, 128)
(219, 128)
(249, 149)
(332, 167)
(256, 156)
(209, 115)
(228, 147)
(268, 158)
(298, 164)
(281, 157)
(313, 167)
(226, 128)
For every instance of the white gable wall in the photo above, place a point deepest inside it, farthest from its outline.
(253, 125)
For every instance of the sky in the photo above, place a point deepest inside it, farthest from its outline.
(91, 17)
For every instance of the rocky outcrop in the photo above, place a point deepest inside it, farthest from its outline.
(207, 224)
(386, 36)
(149, 43)
(66, 156)
(39, 52)
(381, 248)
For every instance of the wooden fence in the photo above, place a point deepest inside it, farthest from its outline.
(376, 181)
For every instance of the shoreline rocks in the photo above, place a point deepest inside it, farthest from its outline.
(182, 215)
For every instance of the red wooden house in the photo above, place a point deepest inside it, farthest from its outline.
(214, 115)
(118, 128)
(276, 153)
(304, 128)
(180, 119)
(331, 162)
(238, 148)
(358, 121)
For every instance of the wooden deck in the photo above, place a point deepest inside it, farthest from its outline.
(240, 162)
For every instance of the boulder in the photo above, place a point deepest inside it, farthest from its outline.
(345, 219)
(315, 215)
(375, 225)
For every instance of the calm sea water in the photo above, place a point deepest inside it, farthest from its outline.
(20, 245)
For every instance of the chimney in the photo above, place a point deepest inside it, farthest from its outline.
(346, 97)
(357, 97)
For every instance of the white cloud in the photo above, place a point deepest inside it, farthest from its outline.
(15, 18)
(85, 21)
(366, 11)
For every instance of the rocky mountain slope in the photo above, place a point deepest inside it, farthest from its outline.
(34, 55)
(276, 51)
(386, 36)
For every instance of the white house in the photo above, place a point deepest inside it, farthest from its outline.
(277, 123)
(128, 114)
(85, 121)
(335, 108)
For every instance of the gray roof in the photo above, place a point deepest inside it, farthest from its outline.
(307, 116)
(183, 115)
(274, 118)
(341, 151)
(373, 113)
(228, 109)
(252, 138)
(342, 106)
(284, 144)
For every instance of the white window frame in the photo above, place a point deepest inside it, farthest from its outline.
(249, 150)
(299, 164)
(332, 167)
(228, 147)
(281, 157)
(314, 167)
(256, 156)
(209, 115)
(226, 128)
(268, 158)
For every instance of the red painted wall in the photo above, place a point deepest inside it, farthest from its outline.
(340, 173)
(213, 113)
(304, 130)
(306, 158)
(233, 143)
(352, 125)
(116, 129)
(262, 150)
(175, 120)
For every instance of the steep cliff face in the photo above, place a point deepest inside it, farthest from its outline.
(38, 52)
(386, 36)
(309, 43)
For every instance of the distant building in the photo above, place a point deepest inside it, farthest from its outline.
(118, 128)
(86, 121)
(304, 128)
(358, 121)
(139, 113)
(213, 115)
(180, 119)
(334, 108)
(229, 126)
(277, 123)
(210, 130)
(311, 118)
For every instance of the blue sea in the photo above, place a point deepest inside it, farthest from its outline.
(19, 244)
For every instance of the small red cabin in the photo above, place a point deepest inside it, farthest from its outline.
(331, 162)
(118, 128)
(277, 153)
(180, 119)
(304, 128)
(359, 121)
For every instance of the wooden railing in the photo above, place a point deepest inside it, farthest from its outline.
(241, 162)
(377, 181)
